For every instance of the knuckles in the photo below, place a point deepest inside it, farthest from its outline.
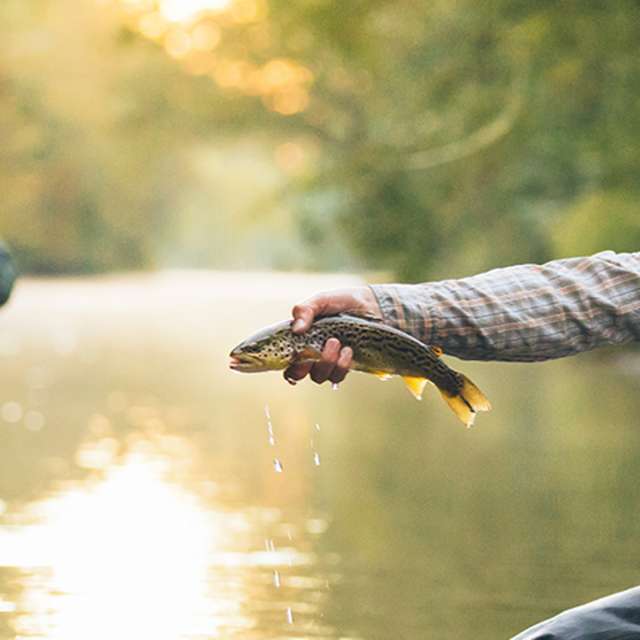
(302, 310)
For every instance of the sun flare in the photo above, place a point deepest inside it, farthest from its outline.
(186, 10)
(128, 559)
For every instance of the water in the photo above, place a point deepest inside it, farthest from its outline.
(138, 497)
(11, 412)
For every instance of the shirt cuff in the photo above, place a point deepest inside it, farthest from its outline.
(386, 302)
(403, 309)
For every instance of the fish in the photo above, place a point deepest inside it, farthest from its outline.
(378, 349)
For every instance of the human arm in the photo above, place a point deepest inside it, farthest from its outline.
(521, 313)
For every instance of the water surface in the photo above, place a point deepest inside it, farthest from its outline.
(143, 493)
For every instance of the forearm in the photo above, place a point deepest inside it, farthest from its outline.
(526, 312)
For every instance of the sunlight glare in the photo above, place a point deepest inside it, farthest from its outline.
(129, 560)
(186, 10)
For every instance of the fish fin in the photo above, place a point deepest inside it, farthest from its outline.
(474, 396)
(383, 375)
(437, 350)
(415, 385)
(308, 354)
(467, 402)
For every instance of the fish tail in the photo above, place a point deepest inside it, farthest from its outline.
(467, 401)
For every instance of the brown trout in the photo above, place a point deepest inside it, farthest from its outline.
(377, 349)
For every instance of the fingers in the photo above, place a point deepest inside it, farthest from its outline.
(303, 315)
(324, 368)
(320, 304)
(333, 366)
(342, 366)
(297, 371)
(356, 300)
(335, 362)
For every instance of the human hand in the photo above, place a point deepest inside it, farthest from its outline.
(336, 360)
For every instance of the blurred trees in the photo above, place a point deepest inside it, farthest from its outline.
(428, 139)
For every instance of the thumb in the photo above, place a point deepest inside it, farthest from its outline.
(303, 315)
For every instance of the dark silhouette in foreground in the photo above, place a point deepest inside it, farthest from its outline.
(7, 274)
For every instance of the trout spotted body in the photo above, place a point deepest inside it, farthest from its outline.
(377, 349)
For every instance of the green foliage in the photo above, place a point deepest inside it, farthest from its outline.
(439, 137)
(600, 220)
(439, 168)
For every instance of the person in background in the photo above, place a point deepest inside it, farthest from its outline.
(523, 313)
(7, 274)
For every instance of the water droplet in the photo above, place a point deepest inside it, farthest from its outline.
(289, 534)
(334, 386)
(289, 615)
(317, 427)
(272, 441)
(316, 458)
(269, 546)
(267, 413)
(276, 579)
(277, 465)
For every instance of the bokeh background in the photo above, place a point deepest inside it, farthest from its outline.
(174, 174)
(419, 138)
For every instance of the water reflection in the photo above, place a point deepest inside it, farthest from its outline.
(130, 553)
(139, 497)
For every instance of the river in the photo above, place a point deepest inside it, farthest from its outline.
(147, 492)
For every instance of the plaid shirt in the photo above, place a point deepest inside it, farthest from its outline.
(523, 313)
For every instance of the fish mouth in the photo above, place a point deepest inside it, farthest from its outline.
(245, 362)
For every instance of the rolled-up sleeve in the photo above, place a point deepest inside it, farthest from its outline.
(523, 313)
